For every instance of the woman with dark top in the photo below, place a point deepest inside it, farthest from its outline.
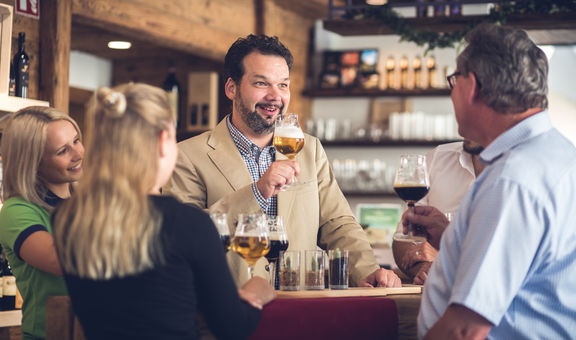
(139, 265)
(42, 156)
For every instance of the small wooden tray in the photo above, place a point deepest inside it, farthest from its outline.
(356, 291)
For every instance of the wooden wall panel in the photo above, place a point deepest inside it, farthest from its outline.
(293, 30)
(198, 27)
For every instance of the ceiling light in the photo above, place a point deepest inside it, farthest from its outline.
(376, 2)
(119, 45)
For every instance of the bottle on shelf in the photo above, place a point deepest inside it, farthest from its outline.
(421, 9)
(404, 72)
(12, 82)
(172, 88)
(417, 67)
(21, 68)
(390, 72)
(439, 8)
(455, 8)
(431, 66)
(8, 287)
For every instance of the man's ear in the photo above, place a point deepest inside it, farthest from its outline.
(472, 88)
(164, 137)
(230, 89)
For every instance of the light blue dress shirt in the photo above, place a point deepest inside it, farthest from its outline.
(510, 254)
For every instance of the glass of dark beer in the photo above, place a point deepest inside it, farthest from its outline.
(278, 242)
(221, 222)
(411, 184)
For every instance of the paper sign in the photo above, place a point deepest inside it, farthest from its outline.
(29, 8)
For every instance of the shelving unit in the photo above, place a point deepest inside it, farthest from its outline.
(358, 92)
(346, 27)
(385, 143)
(9, 104)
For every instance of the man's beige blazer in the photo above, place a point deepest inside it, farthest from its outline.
(211, 174)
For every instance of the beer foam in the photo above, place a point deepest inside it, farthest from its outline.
(288, 132)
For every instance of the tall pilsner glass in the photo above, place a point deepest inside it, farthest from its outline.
(251, 239)
(288, 138)
(412, 184)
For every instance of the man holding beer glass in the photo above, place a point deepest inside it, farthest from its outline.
(235, 168)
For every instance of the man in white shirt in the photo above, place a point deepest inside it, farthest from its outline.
(452, 169)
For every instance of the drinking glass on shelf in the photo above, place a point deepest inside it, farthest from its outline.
(411, 184)
(278, 242)
(221, 223)
(251, 239)
(288, 138)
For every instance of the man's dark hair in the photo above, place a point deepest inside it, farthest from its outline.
(233, 63)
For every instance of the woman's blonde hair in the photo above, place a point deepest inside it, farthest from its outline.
(23, 146)
(109, 228)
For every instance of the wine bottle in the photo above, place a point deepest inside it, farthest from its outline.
(12, 83)
(8, 288)
(21, 68)
(172, 88)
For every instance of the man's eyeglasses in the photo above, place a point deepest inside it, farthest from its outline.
(452, 79)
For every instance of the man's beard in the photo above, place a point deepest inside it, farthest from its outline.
(472, 148)
(252, 119)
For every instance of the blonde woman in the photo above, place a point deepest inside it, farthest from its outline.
(139, 265)
(42, 156)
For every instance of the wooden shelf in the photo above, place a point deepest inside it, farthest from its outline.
(362, 193)
(11, 318)
(9, 104)
(557, 21)
(356, 92)
(385, 142)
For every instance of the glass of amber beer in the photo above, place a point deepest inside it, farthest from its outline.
(411, 184)
(251, 239)
(288, 138)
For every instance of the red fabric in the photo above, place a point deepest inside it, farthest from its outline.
(347, 318)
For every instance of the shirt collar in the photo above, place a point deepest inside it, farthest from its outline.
(245, 145)
(52, 199)
(528, 128)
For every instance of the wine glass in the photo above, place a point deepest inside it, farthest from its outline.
(411, 184)
(288, 138)
(221, 222)
(278, 242)
(251, 239)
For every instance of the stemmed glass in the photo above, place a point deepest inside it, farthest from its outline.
(251, 239)
(221, 222)
(278, 242)
(288, 138)
(411, 184)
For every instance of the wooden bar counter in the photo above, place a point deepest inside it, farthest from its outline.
(367, 313)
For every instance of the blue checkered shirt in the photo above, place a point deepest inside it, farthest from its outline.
(257, 160)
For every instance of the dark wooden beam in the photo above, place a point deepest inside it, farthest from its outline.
(55, 21)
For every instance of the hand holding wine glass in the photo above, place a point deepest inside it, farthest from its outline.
(251, 239)
(411, 183)
(288, 138)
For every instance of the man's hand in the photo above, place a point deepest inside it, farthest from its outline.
(422, 274)
(422, 252)
(278, 174)
(257, 292)
(381, 278)
(429, 218)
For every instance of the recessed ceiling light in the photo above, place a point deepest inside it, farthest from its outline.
(376, 2)
(119, 45)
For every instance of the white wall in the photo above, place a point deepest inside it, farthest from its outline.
(88, 71)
